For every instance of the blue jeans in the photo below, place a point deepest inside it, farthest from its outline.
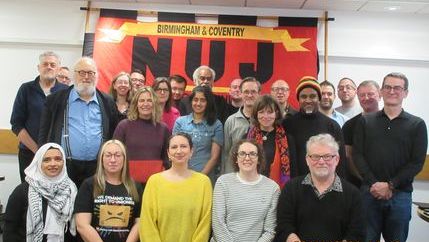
(387, 217)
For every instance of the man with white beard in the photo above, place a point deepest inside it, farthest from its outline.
(79, 118)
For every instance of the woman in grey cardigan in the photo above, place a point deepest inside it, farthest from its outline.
(245, 202)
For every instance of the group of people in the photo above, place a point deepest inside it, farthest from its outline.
(145, 159)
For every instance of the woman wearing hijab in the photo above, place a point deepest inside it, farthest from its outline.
(40, 208)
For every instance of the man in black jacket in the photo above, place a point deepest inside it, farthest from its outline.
(79, 118)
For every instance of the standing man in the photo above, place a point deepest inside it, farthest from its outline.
(280, 91)
(28, 106)
(389, 150)
(79, 118)
(178, 87)
(64, 75)
(309, 122)
(368, 93)
(235, 98)
(237, 125)
(328, 97)
(205, 76)
(347, 94)
(137, 79)
(320, 206)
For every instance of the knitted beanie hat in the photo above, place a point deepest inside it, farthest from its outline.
(311, 82)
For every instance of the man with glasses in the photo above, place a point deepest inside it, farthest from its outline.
(64, 75)
(320, 206)
(280, 91)
(28, 106)
(347, 93)
(368, 93)
(389, 150)
(137, 79)
(237, 125)
(309, 121)
(79, 118)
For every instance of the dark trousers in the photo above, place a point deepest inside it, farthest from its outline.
(25, 156)
(79, 170)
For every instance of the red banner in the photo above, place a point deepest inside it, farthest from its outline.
(233, 51)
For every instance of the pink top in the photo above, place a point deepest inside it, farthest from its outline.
(170, 117)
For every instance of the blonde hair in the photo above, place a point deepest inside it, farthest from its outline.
(133, 112)
(100, 177)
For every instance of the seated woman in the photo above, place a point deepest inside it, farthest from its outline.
(144, 135)
(163, 89)
(120, 90)
(206, 131)
(245, 202)
(40, 208)
(108, 204)
(177, 202)
(267, 130)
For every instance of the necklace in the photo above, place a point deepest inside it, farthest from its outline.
(265, 135)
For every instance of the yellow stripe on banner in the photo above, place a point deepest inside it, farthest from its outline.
(189, 88)
(205, 31)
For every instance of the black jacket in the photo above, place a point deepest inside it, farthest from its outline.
(52, 120)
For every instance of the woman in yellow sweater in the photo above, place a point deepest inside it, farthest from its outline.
(177, 202)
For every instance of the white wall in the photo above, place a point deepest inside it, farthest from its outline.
(361, 46)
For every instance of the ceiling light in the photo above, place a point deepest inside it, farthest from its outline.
(392, 8)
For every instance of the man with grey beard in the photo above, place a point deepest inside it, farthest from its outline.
(28, 107)
(79, 118)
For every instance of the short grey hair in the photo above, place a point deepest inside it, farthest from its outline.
(49, 53)
(369, 83)
(324, 140)
(196, 75)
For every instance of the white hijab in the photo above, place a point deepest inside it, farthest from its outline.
(59, 191)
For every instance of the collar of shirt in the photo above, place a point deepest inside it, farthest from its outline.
(403, 114)
(190, 119)
(74, 95)
(336, 185)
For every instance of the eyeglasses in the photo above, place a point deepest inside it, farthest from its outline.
(394, 88)
(51, 64)
(346, 87)
(162, 90)
(326, 157)
(114, 155)
(243, 154)
(205, 78)
(63, 77)
(279, 89)
(84, 73)
(137, 80)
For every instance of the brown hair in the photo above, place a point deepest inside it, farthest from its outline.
(133, 112)
(234, 154)
(266, 101)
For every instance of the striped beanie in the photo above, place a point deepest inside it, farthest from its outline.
(311, 82)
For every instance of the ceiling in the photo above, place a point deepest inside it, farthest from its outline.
(394, 6)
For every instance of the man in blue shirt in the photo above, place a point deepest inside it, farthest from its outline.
(28, 106)
(80, 118)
